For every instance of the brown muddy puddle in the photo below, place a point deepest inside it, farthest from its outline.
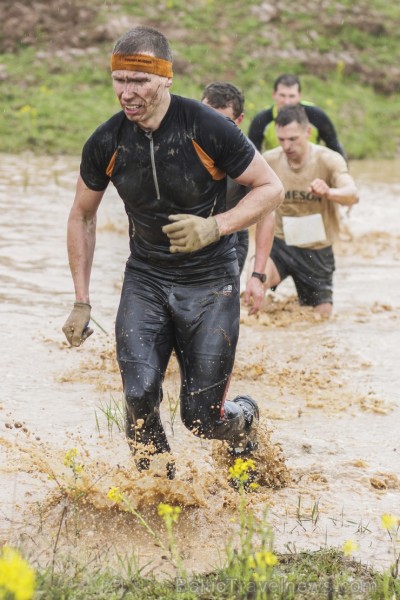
(328, 392)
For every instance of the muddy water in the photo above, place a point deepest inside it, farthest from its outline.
(328, 392)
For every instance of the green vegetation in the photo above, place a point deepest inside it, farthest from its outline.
(346, 55)
(315, 576)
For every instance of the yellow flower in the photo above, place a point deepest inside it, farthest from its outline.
(29, 110)
(16, 576)
(262, 559)
(115, 495)
(70, 456)
(69, 461)
(25, 109)
(169, 513)
(389, 521)
(254, 486)
(266, 558)
(78, 469)
(349, 547)
(240, 470)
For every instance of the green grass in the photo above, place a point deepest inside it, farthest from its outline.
(50, 103)
(304, 576)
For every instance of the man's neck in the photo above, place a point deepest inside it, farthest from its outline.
(154, 122)
(301, 161)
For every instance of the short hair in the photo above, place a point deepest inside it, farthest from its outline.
(292, 113)
(143, 39)
(221, 94)
(288, 80)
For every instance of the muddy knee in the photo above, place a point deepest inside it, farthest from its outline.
(201, 410)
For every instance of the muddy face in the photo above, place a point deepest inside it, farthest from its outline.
(328, 390)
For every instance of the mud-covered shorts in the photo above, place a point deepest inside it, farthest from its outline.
(311, 271)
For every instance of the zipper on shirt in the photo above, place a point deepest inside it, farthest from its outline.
(149, 135)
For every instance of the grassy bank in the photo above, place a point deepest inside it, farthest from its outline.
(322, 575)
(53, 94)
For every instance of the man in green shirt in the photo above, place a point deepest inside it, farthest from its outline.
(287, 90)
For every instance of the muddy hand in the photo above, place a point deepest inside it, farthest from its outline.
(76, 327)
(254, 295)
(188, 233)
(319, 187)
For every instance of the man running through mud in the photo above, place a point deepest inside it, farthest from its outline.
(316, 181)
(169, 157)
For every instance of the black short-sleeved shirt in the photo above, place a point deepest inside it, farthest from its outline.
(179, 168)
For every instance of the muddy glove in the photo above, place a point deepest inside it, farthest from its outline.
(76, 327)
(189, 233)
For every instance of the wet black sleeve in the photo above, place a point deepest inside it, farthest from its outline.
(325, 127)
(258, 125)
(93, 165)
(238, 152)
(98, 152)
(223, 141)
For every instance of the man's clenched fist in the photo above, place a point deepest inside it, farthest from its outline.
(76, 327)
(188, 233)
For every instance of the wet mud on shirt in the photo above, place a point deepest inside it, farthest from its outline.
(322, 163)
(181, 167)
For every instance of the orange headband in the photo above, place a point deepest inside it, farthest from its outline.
(141, 62)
